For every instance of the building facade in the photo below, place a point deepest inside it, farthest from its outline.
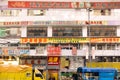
(58, 37)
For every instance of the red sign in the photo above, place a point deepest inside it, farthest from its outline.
(93, 22)
(105, 5)
(53, 60)
(12, 23)
(36, 4)
(52, 50)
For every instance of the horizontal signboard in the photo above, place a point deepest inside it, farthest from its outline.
(63, 5)
(54, 40)
(105, 5)
(70, 40)
(56, 23)
(38, 4)
(105, 40)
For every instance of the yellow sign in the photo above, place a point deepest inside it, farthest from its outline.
(104, 64)
(68, 40)
(54, 40)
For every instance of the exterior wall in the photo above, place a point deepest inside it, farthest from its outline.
(64, 15)
(49, 31)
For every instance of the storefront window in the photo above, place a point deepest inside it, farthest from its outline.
(9, 12)
(98, 31)
(37, 12)
(102, 46)
(37, 32)
(10, 32)
(67, 31)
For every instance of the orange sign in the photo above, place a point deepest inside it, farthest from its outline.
(105, 40)
(34, 40)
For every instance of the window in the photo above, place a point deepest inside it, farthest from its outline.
(106, 31)
(36, 12)
(9, 12)
(105, 12)
(37, 32)
(10, 32)
(67, 31)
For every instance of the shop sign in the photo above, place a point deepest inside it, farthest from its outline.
(12, 23)
(39, 62)
(67, 40)
(11, 50)
(115, 65)
(110, 39)
(64, 23)
(105, 40)
(95, 22)
(55, 23)
(69, 23)
(105, 5)
(54, 40)
(34, 40)
(40, 50)
(52, 50)
(53, 60)
(38, 4)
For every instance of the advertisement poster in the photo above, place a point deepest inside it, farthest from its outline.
(5, 51)
(40, 50)
(11, 50)
(53, 51)
(74, 51)
(24, 50)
